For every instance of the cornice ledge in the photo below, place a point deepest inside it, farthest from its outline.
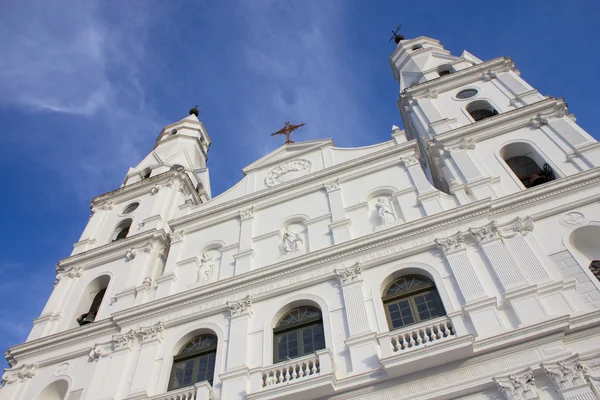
(61, 338)
(313, 181)
(520, 117)
(147, 184)
(546, 190)
(474, 71)
(584, 321)
(307, 261)
(114, 250)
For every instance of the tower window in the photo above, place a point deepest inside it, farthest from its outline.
(177, 167)
(297, 333)
(90, 316)
(417, 47)
(89, 305)
(195, 362)
(444, 70)
(146, 173)
(466, 94)
(122, 230)
(481, 109)
(411, 299)
(131, 208)
(595, 268)
(527, 165)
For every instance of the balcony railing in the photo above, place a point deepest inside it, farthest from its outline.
(199, 391)
(317, 370)
(408, 339)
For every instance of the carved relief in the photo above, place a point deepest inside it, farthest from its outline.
(300, 166)
(100, 350)
(385, 213)
(520, 386)
(62, 369)
(205, 269)
(464, 144)
(486, 233)
(349, 275)
(247, 214)
(488, 75)
(154, 190)
(451, 244)
(409, 161)
(573, 218)
(566, 374)
(149, 333)
(21, 374)
(538, 121)
(243, 307)
(123, 341)
(291, 242)
(431, 94)
(517, 226)
(331, 186)
(130, 254)
(177, 236)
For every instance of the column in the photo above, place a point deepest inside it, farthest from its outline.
(569, 380)
(236, 378)
(426, 193)
(361, 342)
(166, 282)
(340, 226)
(478, 305)
(519, 385)
(245, 257)
(150, 339)
(522, 296)
(513, 235)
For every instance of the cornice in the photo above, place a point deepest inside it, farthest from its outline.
(306, 184)
(459, 78)
(499, 124)
(112, 251)
(145, 185)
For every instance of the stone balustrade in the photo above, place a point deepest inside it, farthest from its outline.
(421, 335)
(295, 370)
(199, 391)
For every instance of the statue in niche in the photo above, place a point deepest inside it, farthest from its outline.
(384, 211)
(291, 241)
(205, 271)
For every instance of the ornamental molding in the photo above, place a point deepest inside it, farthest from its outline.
(20, 374)
(104, 206)
(388, 242)
(350, 274)
(451, 244)
(100, 350)
(332, 185)
(409, 161)
(515, 227)
(239, 308)
(246, 214)
(488, 75)
(123, 341)
(72, 273)
(177, 236)
(464, 144)
(518, 386)
(567, 373)
(295, 165)
(114, 251)
(431, 94)
(491, 127)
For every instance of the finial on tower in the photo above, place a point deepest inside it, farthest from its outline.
(195, 110)
(396, 36)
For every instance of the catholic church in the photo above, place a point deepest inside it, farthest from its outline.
(460, 259)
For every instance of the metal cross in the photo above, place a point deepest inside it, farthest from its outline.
(287, 130)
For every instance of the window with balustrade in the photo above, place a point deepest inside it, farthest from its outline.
(411, 299)
(195, 362)
(298, 332)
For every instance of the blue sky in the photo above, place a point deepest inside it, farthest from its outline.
(85, 87)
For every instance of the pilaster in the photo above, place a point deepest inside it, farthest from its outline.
(361, 342)
(427, 196)
(166, 282)
(244, 259)
(340, 226)
(150, 339)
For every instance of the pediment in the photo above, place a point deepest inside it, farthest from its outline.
(287, 152)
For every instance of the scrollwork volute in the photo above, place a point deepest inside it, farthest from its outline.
(486, 233)
(451, 244)
(518, 386)
(350, 274)
(566, 374)
(19, 374)
(242, 307)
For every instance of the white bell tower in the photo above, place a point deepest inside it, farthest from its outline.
(483, 131)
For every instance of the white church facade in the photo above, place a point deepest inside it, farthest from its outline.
(459, 259)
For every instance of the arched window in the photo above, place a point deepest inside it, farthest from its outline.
(526, 164)
(195, 362)
(481, 109)
(595, 268)
(411, 299)
(57, 390)
(146, 173)
(176, 167)
(122, 230)
(444, 70)
(89, 305)
(298, 332)
(417, 47)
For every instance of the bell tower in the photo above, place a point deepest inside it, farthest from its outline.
(483, 131)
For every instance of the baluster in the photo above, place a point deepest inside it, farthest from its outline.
(280, 376)
(294, 374)
(301, 370)
(435, 332)
(425, 335)
(314, 369)
(411, 342)
(287, 374)
(395, 344)
(419, 338)
(447, 332)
